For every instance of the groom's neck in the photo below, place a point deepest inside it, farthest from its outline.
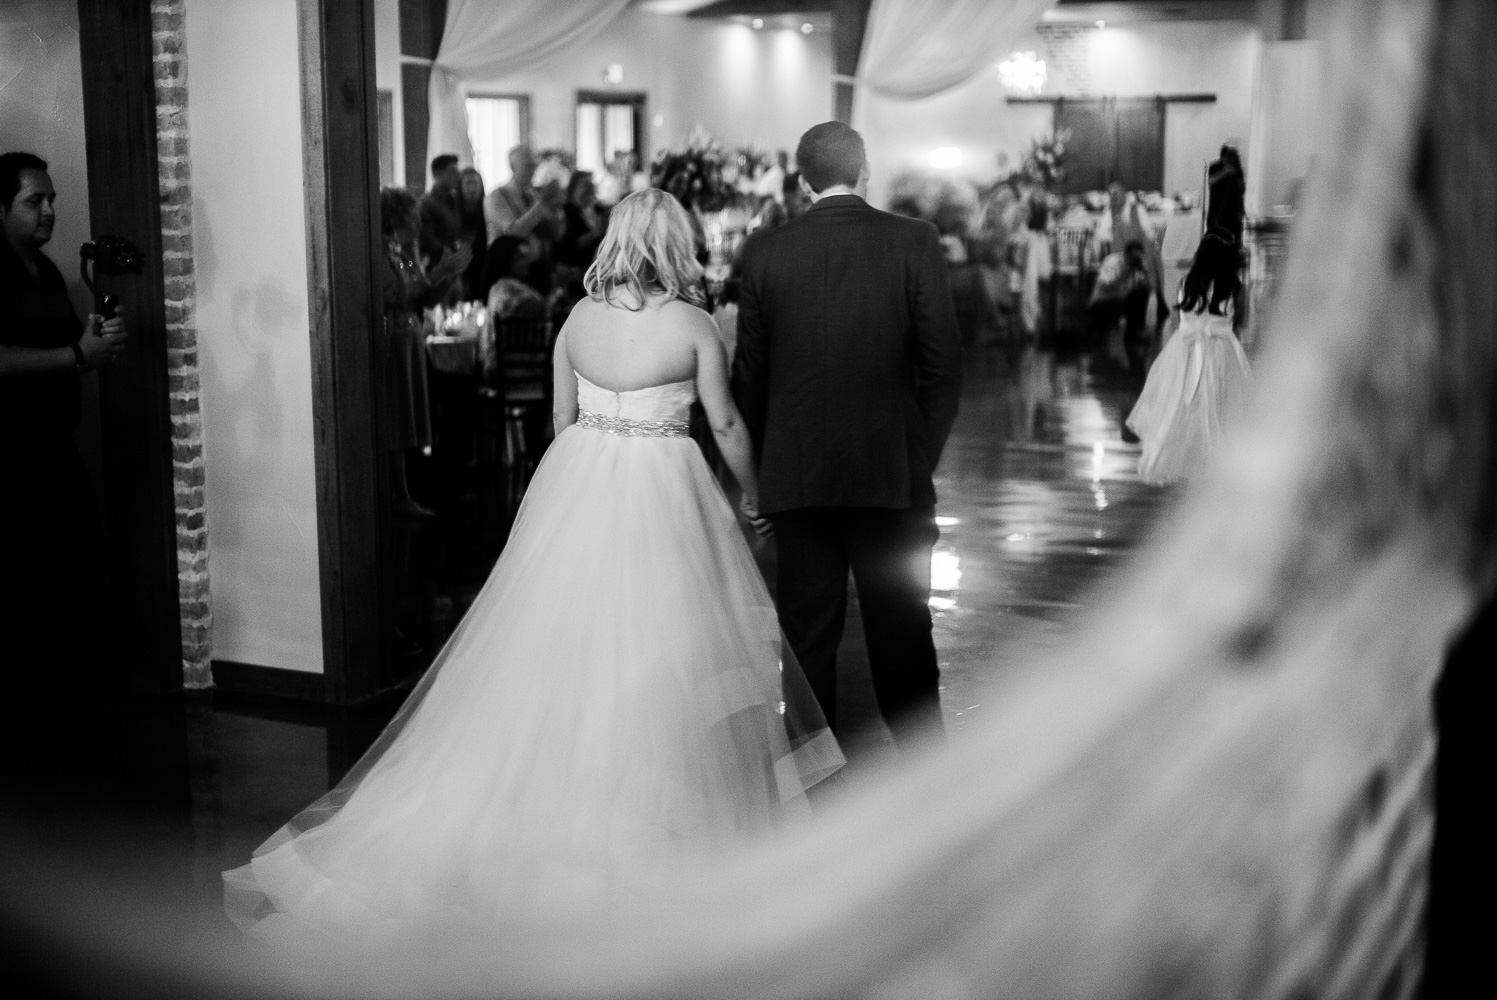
(835, 189)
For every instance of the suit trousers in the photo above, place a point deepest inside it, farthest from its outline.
(888, 552)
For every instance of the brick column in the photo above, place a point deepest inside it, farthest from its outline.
(169, 57)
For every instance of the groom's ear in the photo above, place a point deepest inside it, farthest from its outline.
(863, 174)
(805, 188)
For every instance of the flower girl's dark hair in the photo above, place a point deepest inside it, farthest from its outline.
(1213, 280)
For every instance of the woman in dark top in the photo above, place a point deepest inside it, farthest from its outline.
(474, 230)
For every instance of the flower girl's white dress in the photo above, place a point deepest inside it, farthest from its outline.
(1200, 376)
(615, 694)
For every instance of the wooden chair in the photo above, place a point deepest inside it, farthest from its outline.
(516, 396)
(1069, 286)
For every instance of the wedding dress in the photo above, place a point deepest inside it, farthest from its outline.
(1200, 376)
(615, 695)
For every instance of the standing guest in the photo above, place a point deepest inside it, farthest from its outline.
(49, 522)
(848, 372)
(1032, 264)
(474, 229)
(1226, 187)
(441, 211)
(405, 411)
(1201, 375)
(584, 223)
(518, 208)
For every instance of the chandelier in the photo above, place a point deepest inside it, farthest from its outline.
(1022, 73)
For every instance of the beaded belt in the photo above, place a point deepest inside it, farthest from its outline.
(624, 427)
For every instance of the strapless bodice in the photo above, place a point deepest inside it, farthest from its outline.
(654, 411)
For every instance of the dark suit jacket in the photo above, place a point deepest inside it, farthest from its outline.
(848, 364)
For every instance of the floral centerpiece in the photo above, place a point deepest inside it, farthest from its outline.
(698, 176)
(1045, 163)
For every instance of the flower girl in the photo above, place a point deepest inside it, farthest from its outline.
(1200, 376)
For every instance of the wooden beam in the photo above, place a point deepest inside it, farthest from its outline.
(1082, 98)
(119, 120)
(344, 265)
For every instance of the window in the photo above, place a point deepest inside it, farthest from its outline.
(609, 123)
(496, 124)
(386, 110)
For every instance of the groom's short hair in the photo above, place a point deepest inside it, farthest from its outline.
(830, 153)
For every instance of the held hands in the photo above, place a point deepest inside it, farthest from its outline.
(750, 507)
(103, 339)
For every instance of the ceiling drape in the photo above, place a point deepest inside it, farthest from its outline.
(918, 48)
(488, 39)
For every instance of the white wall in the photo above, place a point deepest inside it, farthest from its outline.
(1138, 59)
(744, 86)
(387, 71)
(41, 112)
(244, 115)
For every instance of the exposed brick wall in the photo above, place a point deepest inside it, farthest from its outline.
(1066, 54)
(168, 32)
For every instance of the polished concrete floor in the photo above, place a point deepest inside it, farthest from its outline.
(1038, 500)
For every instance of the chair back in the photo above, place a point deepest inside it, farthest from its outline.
(1071, 248)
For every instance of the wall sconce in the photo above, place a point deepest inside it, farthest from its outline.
(613, 74)
(945, 158)
(757, 23)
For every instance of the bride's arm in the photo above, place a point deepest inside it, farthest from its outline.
(727, 425)
(563, 386)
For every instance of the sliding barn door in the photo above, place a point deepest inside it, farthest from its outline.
(1113, 140)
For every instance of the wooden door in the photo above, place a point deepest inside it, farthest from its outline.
(1093, 145)
(1138, 162)
(1113, 140)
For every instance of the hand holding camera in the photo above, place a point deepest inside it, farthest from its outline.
(104, 336)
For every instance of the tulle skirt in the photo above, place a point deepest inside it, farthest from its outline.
(615, 696)
(1197, 380)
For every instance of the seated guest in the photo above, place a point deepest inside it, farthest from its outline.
(509, 295)
(474, 229)
(441, 211)
(1032, 264)
(409, 288)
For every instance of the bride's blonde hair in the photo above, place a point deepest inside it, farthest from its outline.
(649, 247)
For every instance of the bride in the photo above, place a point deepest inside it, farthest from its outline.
(615, 695)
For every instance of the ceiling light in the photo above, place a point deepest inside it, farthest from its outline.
(806, 29)
(1023, 73)
(757, 23)
(1101, 24)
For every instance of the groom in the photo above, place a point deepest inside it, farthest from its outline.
(847, 372)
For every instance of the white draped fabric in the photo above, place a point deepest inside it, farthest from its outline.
(917, 48)
(487, 39)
